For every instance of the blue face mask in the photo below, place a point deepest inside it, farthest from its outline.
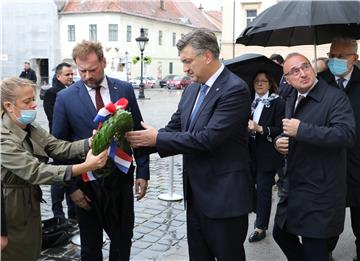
(337, 66)
(27, 116)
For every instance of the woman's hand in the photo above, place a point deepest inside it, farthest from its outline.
(96, 162)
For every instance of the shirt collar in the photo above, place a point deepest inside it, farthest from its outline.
(265, 96)
(212, 79)
(103, 84)
(346, 77)
(306, 93)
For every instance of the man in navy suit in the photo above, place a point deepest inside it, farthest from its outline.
(105, 203)
(210, 129)
(318, 128)
(343, 52)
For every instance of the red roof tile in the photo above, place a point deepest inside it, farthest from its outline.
(175, 11)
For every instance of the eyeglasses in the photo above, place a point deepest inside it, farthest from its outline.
(295, 71)
(340, 56)
(261, 81)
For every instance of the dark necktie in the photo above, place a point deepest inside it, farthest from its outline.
(299, 99)
(200, 100)
(340, 83)
(98, 99)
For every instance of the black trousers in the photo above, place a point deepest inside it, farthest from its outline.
(355, 224)
(264, 183)
(215, 238)
(91, 228)
(309, 249)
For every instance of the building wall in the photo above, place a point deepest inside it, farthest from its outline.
(29, 32)
(115, 52)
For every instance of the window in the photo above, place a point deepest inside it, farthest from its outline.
(170, 68)
(160, 37)
(113, 32)
(71, 32)
(146, 32)
(92, 32)
(182, 36)
(128, 33)
(250, 16)
(173, 39)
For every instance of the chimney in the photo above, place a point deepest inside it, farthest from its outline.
(162, 4)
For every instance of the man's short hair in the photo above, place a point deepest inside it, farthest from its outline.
(201, 40)
(60, 66)
(27, 63)
(83, 49)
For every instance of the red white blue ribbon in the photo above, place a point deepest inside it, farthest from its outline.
(121, 159)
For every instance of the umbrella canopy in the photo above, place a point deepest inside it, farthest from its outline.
(247, 65)
(290, 23)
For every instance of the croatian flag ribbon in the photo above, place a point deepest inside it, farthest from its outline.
(121, 159)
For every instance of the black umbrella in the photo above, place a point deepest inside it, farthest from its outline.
(247, 65)
(290, 23)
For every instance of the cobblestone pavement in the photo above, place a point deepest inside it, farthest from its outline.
(160, 228)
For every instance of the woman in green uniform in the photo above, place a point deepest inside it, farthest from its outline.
(25, 149)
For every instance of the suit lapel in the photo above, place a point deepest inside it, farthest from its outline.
(213, 92)
(85, 99)
(114, 90)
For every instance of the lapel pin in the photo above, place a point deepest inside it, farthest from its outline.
(115, 87)
(217, 89)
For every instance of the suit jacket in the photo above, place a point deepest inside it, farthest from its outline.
(263, 154)
(49, 100)
(353, 154)
(216, 167)
(316, 164)
(74, 113)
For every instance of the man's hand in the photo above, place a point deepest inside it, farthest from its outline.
(290, 127)
(80, 199)
(142, 138)
(282, 145)
(140, 188)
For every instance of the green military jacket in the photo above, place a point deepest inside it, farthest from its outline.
(23, 169)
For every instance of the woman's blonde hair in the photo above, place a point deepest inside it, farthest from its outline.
(9, 88)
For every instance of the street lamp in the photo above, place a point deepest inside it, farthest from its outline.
(142, 41)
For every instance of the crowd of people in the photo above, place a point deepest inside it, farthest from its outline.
(235, 139)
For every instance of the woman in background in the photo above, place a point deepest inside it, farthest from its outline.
(267, 112)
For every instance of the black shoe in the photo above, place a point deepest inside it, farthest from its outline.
(257, 236)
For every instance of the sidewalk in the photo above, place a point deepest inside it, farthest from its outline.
(268, 250)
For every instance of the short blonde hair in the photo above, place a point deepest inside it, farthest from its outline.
(9, 88)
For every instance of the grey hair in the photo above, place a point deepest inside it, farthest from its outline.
(347, 41)
(200, 40)
(9, 87)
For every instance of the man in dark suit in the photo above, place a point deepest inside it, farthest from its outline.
(319, 126)
(28, 73)
(344, 51)
(62, 79)
(107, 202)
(210, 129)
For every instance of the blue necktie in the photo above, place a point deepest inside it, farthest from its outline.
(200, 100)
